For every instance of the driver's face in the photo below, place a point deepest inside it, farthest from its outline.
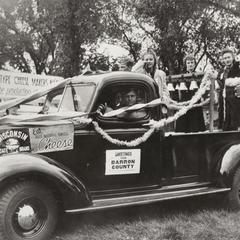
(131, 98)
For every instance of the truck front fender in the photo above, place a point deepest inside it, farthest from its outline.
(230, 160)
(62, 181)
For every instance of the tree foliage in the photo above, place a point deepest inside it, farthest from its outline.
(186, 26)
(78, 23)
(29, 34)
(49, 33)
(121, 26)
(53, 36)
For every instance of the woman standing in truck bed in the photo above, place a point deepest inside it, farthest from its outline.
(193, 120)
(149, 65)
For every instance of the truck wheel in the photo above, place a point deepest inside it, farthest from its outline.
(234, 194)
(28, 210)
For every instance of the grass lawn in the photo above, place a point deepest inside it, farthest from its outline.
(201, 218)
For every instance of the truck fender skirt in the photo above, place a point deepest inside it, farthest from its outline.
(230, 159)
(72, 192)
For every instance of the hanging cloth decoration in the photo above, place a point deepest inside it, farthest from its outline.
(170, 87)
(193, 85)
(183, 86)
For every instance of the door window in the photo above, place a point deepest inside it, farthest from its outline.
(121, 98)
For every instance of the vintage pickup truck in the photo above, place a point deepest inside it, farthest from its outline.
(51, 166)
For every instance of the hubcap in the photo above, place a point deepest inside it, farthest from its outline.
(26, 217)
(29, 217)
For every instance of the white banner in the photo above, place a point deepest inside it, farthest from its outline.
(14, 84)
(122, 161)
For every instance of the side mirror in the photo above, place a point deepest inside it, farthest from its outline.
(101, 109)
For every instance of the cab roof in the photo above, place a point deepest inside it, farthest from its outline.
(102, 78)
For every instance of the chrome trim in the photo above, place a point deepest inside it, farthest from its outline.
(148, 201)
(184, 185)
(114, 131)
(148, 188)
(207, 132)
(125, 189)
(149, 195)
(63, 94)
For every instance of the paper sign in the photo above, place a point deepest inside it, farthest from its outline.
(52, 138)
(15, 84)
(122, 161)
(14, 140)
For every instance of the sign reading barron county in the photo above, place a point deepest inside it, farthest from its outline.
(124, 161)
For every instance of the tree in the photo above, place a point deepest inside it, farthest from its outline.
(79, 24)
(97, 62)
(50, 34)
(232, 7)
(178, 26)
(29, 34)
(121, 26)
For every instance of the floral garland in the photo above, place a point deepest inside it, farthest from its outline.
(118, 142)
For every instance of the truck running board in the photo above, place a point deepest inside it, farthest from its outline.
(108, 203)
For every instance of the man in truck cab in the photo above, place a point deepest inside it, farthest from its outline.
(130, 98)
(126, 99)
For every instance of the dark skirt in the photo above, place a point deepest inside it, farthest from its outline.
(192, 121)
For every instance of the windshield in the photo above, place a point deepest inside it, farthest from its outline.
(75, 97)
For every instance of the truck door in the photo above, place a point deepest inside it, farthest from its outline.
(108, 164)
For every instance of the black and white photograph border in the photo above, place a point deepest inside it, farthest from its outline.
(119, 119)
